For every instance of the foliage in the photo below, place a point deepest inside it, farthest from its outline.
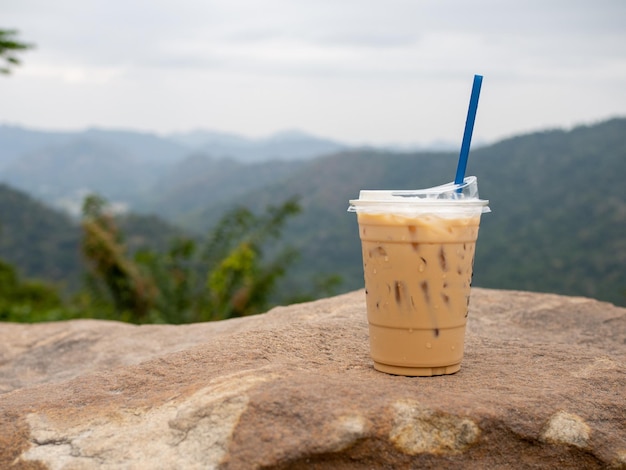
(41, 242)
(224, 276)
(239, 282)
(27, 301)
(113, 277)
(9, 46)
(140, 269)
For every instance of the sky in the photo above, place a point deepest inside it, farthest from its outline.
(358, 71)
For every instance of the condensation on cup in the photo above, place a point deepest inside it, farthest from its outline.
(418, 252)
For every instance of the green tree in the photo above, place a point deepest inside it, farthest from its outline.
(240, 281)
(10, 45)
(27, 301)
(226, 275)
(113, 278)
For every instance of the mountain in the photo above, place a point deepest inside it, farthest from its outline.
(60, 168)
(147, 172)
(199, 138)
(201, 181)
(44, 243)
(41, 242)
(286, 145)
(141, 170)
(16, 142)
(558, 220)
(559, 212)
(62, 175)
(145, 147)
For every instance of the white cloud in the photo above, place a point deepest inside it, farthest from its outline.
(360, 70)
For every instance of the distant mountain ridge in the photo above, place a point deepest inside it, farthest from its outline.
(16, 141)
(133, 168)
(59, 168)
(285, 145)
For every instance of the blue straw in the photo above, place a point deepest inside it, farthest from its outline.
(469, 129)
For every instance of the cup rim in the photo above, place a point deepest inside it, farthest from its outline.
(420, 205)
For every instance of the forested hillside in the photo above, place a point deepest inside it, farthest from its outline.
(559, 209)
(558, 222)
(44, 243)
(200, 181)
(39, 241)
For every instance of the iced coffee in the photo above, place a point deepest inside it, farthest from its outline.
(418, 251)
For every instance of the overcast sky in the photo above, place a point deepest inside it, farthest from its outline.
(360, 71)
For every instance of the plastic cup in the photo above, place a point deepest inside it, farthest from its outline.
(418, 252)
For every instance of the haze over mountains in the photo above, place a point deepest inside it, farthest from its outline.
(61, 167)
(559, 209)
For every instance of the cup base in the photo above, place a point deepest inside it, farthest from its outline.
(417, 371)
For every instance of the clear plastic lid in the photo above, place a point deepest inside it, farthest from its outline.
(449, 197)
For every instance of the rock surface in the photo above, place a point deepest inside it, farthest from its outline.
(542, 385)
